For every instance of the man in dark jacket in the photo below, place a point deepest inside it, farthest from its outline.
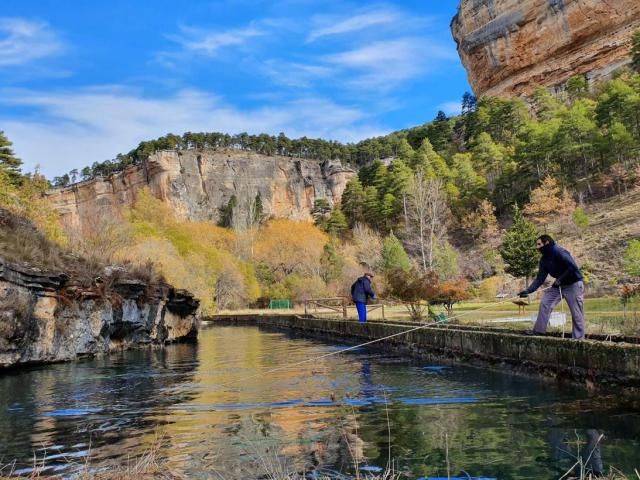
(558, 263)
(361, 291)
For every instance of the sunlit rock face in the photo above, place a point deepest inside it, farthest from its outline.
(42, 319)
(511, 47)
(196, 184)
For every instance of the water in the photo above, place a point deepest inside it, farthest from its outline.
(196, 405)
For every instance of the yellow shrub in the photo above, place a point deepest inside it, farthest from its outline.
(288, 247)
(194, 256)
(489, 287)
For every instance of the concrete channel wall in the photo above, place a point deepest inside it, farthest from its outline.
(592, 362)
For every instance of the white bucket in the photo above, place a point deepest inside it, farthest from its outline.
(557, 319)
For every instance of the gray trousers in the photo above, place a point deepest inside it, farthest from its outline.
(574, 296)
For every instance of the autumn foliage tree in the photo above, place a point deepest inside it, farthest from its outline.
(450, 293)
(413, 289)
(287, 247)
(548, 202)
(482, 225)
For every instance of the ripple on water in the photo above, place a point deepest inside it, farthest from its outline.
(71, 412)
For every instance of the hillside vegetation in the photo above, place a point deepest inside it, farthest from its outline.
(430, 204)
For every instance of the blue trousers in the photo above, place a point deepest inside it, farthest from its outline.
(362, 311)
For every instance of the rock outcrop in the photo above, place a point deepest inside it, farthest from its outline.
(511, 47)
(198, 183)
(44, 319)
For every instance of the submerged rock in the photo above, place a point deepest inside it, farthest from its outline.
(43, 321)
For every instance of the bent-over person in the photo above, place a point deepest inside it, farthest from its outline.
(568, 284)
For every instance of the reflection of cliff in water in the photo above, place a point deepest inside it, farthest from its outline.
(106, 404)
(218, 409)
(244, 419)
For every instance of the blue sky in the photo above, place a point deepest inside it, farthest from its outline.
(81, 81)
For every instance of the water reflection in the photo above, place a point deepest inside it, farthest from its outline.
(581, 449)
(212, 415)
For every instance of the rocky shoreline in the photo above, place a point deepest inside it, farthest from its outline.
(44, 318)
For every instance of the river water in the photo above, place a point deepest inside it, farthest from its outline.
(212, 413)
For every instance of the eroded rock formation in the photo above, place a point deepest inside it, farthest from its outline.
(198, 183)
(43, 319)
(511, 47)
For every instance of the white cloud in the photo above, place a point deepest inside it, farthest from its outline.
(296, 75)
(22, 41)
(332, 26)
(451, 108)
(207, 42)
(384, 64)
(74, 129)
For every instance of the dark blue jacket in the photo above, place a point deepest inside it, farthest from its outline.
(558, 263)
(361, 290)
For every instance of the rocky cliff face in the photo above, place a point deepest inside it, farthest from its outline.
(511, 47)
(43, 320)
(197, 183)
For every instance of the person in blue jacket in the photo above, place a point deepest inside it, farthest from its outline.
(361, 292)
(568, 284)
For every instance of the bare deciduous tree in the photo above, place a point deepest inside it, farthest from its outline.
(101, 237)
(369, 245)
(427, 213)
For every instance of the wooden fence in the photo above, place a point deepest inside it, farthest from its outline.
(335, 305)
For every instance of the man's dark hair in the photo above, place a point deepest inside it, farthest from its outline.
(546, 238)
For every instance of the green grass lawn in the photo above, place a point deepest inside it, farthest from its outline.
(604, 315)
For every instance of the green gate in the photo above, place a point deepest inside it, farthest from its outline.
(280, 304)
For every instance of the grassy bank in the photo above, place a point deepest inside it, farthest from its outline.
(605, 315)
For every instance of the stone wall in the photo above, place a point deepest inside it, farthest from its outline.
(196, 184)
(511, 47)
(41, 320)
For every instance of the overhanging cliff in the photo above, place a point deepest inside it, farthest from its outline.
(511, 47)
(197, 183)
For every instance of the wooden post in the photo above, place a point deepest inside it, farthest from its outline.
(306, 302)
(344, 307)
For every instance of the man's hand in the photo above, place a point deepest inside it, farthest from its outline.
(523, 294)
(556, 284)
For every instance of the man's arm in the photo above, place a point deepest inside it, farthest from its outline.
(570, 263)
(539, 280)
(368, 290)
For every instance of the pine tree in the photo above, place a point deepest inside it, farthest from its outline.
(380, 178)
(353, 201)
(225, 218)
(405, 152)
(394, 256)
(336, 224)
(518, 248)
(331, 263)
(372, 207)
(9, 163)
(258, 211)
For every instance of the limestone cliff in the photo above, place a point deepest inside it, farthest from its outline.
(197, 183)
(511, 47)
(42, 319)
